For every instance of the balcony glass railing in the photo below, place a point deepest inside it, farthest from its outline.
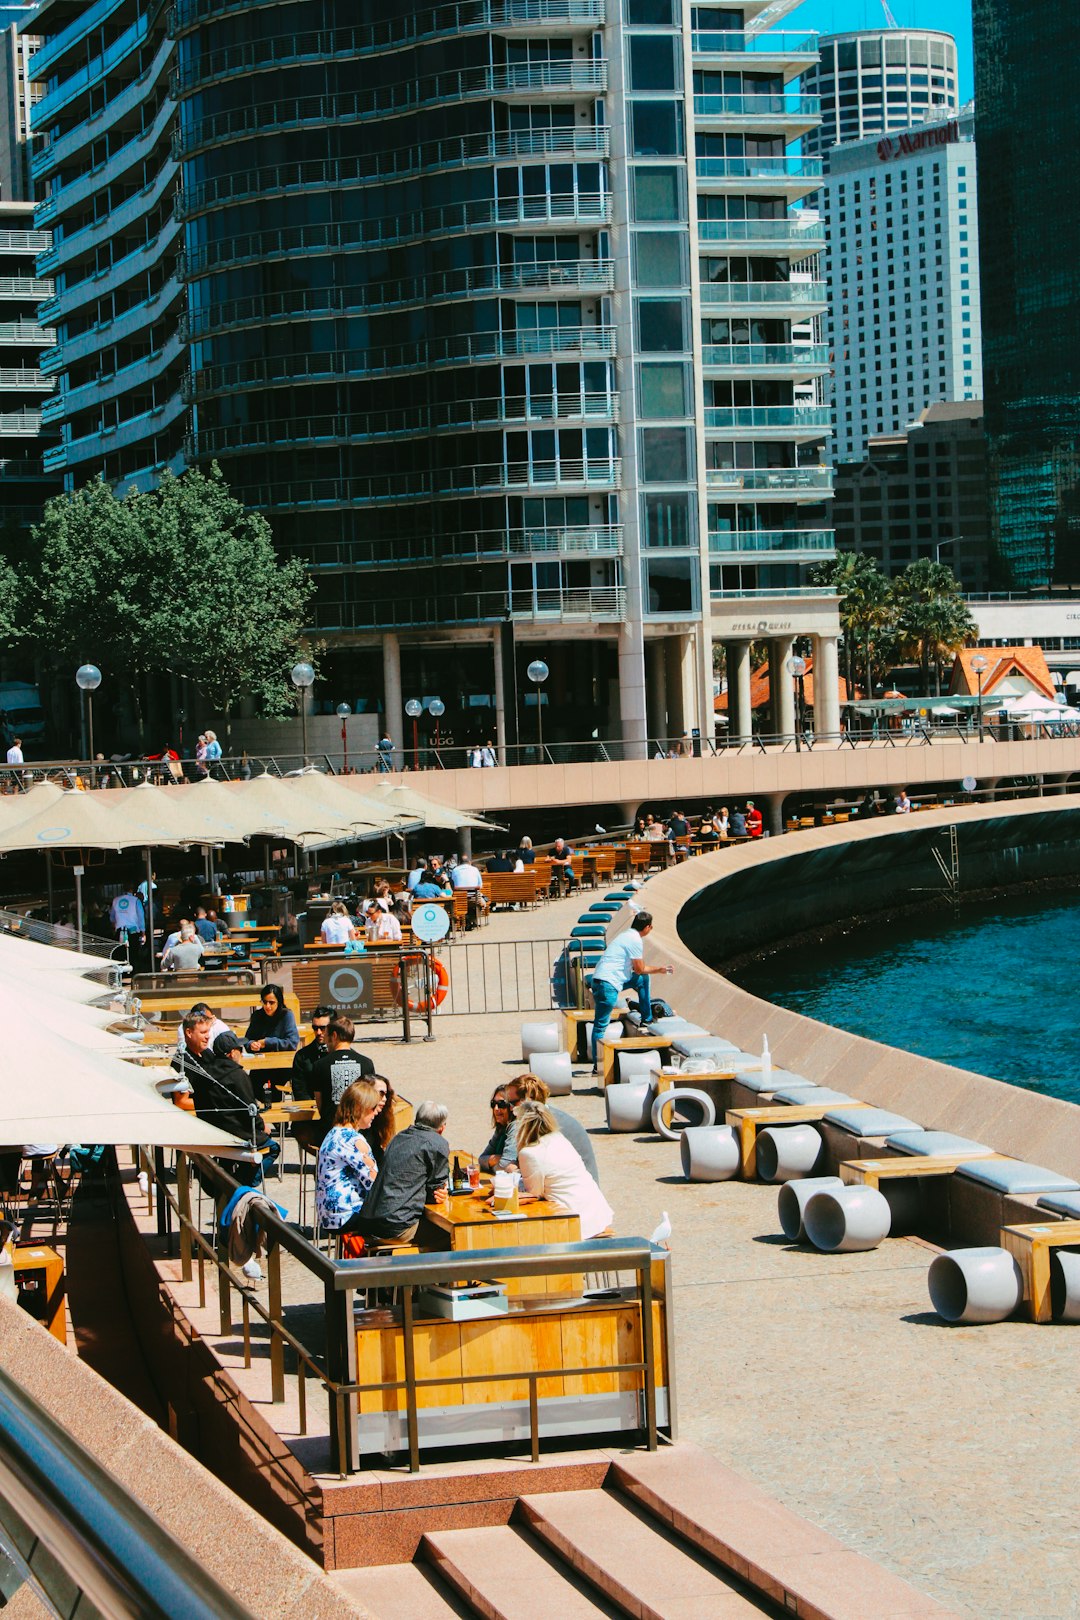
(764, 292)
(761, 417)
(421, 550)
(757, 480)
(729, 544)
(417, 24)
(793, 108)
(734, 43)
(775, 170)
(795, 357)
(408, 610)
(803, 236)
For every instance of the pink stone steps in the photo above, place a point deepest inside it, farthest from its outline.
(501, 1576)
(638, 1567)
(396, 1591)
(741, 1527)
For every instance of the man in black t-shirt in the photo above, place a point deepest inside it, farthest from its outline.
(309, 1056)
(335, 1072)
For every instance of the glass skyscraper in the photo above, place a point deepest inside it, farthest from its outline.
(497, 309)
(1029, 236)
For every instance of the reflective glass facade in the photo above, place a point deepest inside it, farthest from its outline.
(1030, 243)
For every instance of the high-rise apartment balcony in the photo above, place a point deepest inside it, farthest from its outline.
(766, 50)
(794, 176)
(426, 549)
(594, 472)
(82, 26)
(409, 28)
(791, 236)
(792, 360)
(769, 545)
(793, 481)
(789, 114)
(797, 298)
(766, 421)
(604, 604)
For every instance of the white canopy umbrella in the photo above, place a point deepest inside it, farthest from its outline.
(21, 955)
(429, 812)
(304, 810)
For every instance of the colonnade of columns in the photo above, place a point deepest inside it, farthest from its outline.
(782, 720)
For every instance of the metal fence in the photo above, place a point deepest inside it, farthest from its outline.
(509, 975)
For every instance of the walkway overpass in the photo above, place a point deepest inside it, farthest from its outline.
(767, 775)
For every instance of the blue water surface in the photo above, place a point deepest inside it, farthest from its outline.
(993, 990)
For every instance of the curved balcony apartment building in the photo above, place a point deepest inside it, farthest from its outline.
(489, 307)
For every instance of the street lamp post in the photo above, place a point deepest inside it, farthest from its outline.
(414, 709)
(88, 679)
(538, 673)
(303, 676)
(980, 665)
(343, 713)
(437, 708)
(796, 668)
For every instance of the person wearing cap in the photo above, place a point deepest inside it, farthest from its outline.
(225, 1094)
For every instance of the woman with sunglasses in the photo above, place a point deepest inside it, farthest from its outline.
(501, 1117)
(383, 1126)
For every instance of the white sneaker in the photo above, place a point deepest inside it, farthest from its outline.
(252, 1270)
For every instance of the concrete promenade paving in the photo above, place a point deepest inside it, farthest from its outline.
(950, 1455)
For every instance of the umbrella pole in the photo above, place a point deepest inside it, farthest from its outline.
(48, 883)
(150, 909)
(78, 903)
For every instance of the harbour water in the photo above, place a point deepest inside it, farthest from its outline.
(994, 990)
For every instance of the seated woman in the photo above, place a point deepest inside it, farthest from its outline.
(383, 1126)
(272, 1027)
(491, 1156)
(346, 1167)
(551, 1168)
(336, 924)
(383, 927)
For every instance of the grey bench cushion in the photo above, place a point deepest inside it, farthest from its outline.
(936, 1142)
(675, 1026)
(820, 1096)
(868, 1121)
(1016, 1176)
(756, 1080)
(1067, 1204)
(702, 1045)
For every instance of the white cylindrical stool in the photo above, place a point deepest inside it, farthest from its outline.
(970, 1286)
(555, 1071)
(539, 1038)
(668, 1117)
(635, 1064)
(793, 1199)
(788, 1152)
(1064, 1285)
(845, 1220)
(709, 1153)
(614, 1032)
(629, 1105)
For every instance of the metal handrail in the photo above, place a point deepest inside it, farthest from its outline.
(104, 1541)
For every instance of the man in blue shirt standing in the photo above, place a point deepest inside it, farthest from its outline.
(622, 964)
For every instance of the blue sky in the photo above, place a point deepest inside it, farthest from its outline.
(839, 16)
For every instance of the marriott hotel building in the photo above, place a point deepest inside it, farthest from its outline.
(501, 312)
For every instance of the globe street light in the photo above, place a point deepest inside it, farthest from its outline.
(980, 665)
(414, 709)
(538, 673)
(88, 679)
(437, 708)
(343, 713)
(302, 677)
(796, 668)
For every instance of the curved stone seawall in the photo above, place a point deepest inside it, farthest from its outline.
(716, 907)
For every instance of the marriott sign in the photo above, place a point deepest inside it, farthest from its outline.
(894, 146)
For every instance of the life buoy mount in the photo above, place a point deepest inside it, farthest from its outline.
(439, 985)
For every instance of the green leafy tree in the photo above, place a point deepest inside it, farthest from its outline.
(865, 610)
(932, 619)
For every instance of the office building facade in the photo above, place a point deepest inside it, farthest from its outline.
(1024, 60)
(25, 389)
(921, 494)
(902, 268)
(489, 308)
(874, 82)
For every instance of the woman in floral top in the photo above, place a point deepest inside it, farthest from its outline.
(346, 1168)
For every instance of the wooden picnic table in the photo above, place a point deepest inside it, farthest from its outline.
(1031, 1246)
(747, 1122)
(467, 1222)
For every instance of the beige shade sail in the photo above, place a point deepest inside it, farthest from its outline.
(406, 801)
(308, 811)
(24, 956)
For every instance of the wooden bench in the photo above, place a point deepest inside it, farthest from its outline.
(747, 1122)
(872, 1172)
(173, 1008)
(629, 1043)
(511, 888)
(599, 863)
(1030, 1247)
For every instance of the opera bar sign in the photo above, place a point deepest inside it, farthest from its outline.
(346, 988)
(894, 146)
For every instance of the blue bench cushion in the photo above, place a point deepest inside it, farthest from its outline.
(1015, 1176)
(1067, 1204)
(615, 899)
(702, 1046)
(675, 1026)
(818, 1095)
(935, 1142)
(869, 1121)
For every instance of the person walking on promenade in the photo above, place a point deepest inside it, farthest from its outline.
(622, 965)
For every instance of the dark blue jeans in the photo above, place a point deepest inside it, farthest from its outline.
(605, 1000)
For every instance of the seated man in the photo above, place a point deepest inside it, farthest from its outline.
(224, 1094)
(562, 869)
(754, 824)
(738, 824)
(414, 1172)
(530, 1088)
(336, 1070)
(679, 835)
(187, 954)
(501, 863)
(308, 1057)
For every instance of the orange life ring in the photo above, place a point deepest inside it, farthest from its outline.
(438, 994)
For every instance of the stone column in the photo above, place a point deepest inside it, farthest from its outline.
(675, 696)
(781, 687)
(393, 715)
(632, 689)
(826, 687)
(658, 721)
(738, 677)
(774, 813)
(500, 700)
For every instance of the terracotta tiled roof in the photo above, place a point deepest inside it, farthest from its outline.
(1029, 663)
(759, 689)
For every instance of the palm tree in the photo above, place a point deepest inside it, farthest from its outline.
(932, 618)
(861, 587)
